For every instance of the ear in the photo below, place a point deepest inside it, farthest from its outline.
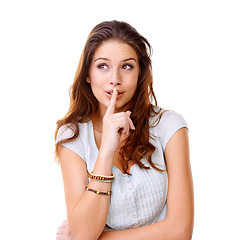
(88, 80)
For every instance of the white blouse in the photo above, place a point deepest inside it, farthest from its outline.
(138, 199)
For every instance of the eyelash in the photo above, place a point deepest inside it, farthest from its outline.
(125, 65)
(101, 65)
(129, 65)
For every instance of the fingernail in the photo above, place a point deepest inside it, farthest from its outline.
(129, 113)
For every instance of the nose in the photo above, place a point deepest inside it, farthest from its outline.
(115, 79)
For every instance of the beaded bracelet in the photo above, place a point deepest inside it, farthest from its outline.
(101, 178)
(97, 192)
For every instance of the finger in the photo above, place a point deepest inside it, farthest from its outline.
(111, 106)
(128, 113)
(125, 128)
(131, 125)
(64, 238)
(63, 225)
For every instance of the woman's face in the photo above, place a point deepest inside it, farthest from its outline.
(114, 65)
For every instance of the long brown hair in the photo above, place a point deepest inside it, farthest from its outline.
(83, 104)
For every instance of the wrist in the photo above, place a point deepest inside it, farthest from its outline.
(106, 154)
(103, 164)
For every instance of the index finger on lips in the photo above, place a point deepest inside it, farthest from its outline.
(112, 103)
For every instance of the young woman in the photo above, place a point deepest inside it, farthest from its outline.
(125, 161)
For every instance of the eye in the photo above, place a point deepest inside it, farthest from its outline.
(102, 66)
(127, 66)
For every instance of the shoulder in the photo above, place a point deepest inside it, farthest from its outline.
(162, 118)
(67, 131)
(66, 137)
(170, 118)
(164, 123)
(64, 132)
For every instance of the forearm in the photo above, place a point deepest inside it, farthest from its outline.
(89, 217)
(163, 230)
(90, 214)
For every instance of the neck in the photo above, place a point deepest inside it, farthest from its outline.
(97, 121)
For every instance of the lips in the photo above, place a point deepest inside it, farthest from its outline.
(119, 93)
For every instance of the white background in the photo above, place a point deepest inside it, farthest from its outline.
(40, 45)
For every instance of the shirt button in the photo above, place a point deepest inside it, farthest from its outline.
(131, 199)
(134, 216)
(128, 181)
(133, 207)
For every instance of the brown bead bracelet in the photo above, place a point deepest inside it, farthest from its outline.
(97, 192)
(101, 178)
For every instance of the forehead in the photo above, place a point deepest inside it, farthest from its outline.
(114, 49)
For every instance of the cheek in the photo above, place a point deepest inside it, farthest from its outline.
(96, 82)
(133, 81)
(96, 79)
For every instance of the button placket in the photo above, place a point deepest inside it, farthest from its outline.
(133, 206)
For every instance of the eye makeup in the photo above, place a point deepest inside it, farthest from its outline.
(127, 66)
(102, 66)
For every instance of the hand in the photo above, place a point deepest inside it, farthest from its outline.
(116, 127)
(63, 232)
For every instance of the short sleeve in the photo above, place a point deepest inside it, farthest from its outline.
(169, 124)
(75, 145)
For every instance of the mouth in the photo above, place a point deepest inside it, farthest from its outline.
(110, 92)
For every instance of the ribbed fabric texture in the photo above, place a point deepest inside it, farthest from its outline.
(138, 199)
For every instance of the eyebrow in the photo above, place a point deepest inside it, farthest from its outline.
(106, 59)
(127, 59)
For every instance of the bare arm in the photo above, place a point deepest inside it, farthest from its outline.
(86, 211)
(178, 224)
